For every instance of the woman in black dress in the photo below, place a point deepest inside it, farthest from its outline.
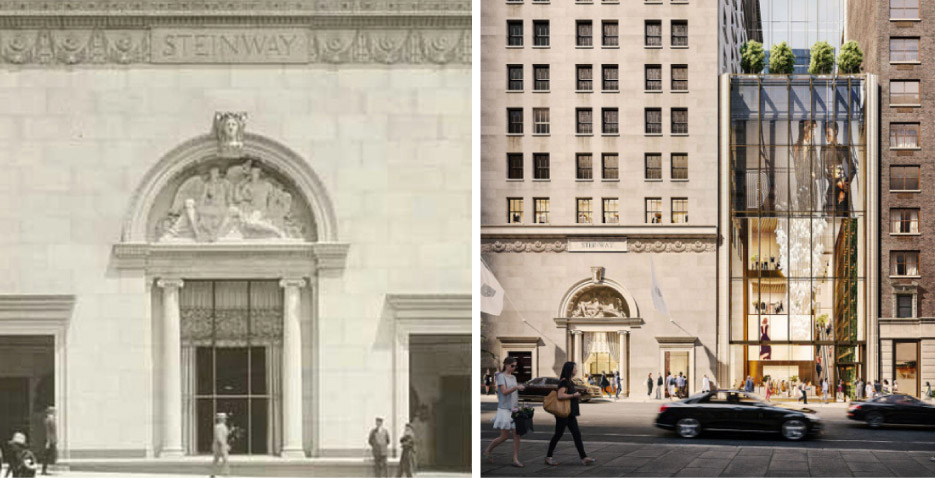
(566, 390)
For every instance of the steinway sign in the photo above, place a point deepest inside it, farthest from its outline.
(229, 45)
(616, 244)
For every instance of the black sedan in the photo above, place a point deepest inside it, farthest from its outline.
(892, 409)
(730, 410)
(538, 388)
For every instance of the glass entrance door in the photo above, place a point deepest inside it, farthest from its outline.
(232, 380)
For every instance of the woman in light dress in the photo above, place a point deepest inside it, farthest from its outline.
(507, 400)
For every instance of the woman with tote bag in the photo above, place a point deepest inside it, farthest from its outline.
(566, 390)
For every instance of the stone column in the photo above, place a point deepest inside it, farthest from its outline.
(292, 445)
(172, 368)
(578, 360)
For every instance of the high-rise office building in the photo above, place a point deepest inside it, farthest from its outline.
(598, 161)
(799, 23)
(895, 38)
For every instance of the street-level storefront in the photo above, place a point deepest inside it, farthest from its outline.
(800, 227)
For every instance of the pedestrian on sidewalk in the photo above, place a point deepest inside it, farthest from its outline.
(649, 387)
(804, 390)
(507, 399)
(379, 446)
(705, 384)
(659, 387)
(858, 389)
(488, 382)
(566, 390)
(841, 393)
(681, 385)
(895, 386)
(50, 456)
(769, 391)
(668, 385)
(868, 390)
(877, 388)
(748, 384)
(928, 391)
(22, 461)
(886, 387)
(407, 458)
(824, 391)
(604, 384)
(220, 446)
(617, 385)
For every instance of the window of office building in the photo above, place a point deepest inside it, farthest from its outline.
(514, 33)
(679, 166)
(584, 121)
(584, 210)
(904, 177)
(611, 123)
(653, 33)
(611, 170)
(904, 92)
(514, 77)
(584, 75)
(679, 210)
(653, 166)
(540, 117)
(514, 121)
(541, 166)
(904, 49)
(610, 33)
(904, 264)
(541, 73)
(541, 205)
(540, 31)
(583, 167)
(904, 221)
(611, 78)
(679, 78)
(904, 9)
(654, 78)
(903, 306)
(514, 166)
(904, 135)
(653, 121)
(611, 211)
(679, 33)
(584, 35)
(679, 121)
(514, 210)
(653, 210)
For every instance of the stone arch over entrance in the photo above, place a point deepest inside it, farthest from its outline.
(602, 288)
(283, 160)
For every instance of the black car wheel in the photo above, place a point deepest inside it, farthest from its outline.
(874, 420)
(688, 427)
(794, 429)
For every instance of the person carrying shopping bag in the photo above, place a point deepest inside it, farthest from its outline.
(566, 391)
(507, 399)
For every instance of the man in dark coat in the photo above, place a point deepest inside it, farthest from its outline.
(379, 446)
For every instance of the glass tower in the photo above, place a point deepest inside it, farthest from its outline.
(797, 228)
(801, 23)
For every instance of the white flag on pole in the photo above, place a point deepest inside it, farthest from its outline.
(491, 293)
(659, 302)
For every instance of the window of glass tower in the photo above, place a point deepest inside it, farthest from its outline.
(797, 228)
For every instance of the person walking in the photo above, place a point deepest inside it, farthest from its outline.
(769, 390)
(804, 390)
(868, 390)
(928, 391)
(566, 390)
(220, 446)
(659, 386)
(604, 384)
(886, 387)
(379, 445)
(507, 399)
(705, 384)
(841, 393)
(50, 456)
(681, 385)
(895, 386)
(824, 391)
(407, 458)
(618, 384)
(22, 461)
(668, 384)
(649, 387)
(858, 389)
(488, 382)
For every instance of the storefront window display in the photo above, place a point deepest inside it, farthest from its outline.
(798, 226)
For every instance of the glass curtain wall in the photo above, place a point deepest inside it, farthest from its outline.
(801, 23)
(797, 229)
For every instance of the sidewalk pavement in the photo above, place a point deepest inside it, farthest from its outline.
(492, 398)
(680, 460)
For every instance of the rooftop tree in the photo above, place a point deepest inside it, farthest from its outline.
(781, 59)
(822, 61)
(851, 58)
(752, 57)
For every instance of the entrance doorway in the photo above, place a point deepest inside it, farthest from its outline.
(523, 370)
(232, 338)
(27, 387)
(440, 400)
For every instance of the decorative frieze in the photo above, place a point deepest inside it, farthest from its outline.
(235, 32)
(652, 245)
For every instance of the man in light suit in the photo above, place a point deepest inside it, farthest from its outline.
(220, 446)
(379, 445)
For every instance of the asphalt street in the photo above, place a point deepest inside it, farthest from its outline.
(632, 421)
(622, 437)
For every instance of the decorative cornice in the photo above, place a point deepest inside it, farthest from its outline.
(36, 307)
(424, 306)
(638, 245)
(332, 31)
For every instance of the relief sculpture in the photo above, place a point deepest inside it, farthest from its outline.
(241, 204)
(598, 302)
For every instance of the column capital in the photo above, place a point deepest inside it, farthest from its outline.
(576, 332)
(170, 283)
(624, 331)
(291, 282)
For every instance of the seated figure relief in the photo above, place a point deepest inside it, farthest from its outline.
(241, 204)
(600, 302)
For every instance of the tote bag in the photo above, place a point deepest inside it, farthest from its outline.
(553, 405)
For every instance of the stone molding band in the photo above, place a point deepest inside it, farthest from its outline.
(636, 245)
